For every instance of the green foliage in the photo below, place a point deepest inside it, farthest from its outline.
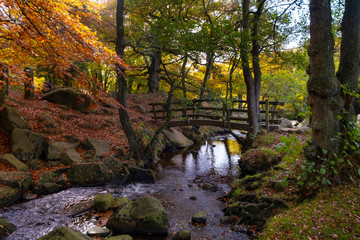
(320, 169)
(292, 147)
(288, 86)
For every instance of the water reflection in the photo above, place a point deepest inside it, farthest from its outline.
(219, 157)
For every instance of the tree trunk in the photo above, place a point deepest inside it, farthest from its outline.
(136, 150)
(252, 84)
(183, 75)
(323, 86)
(209, 64)
(29, 83)
(4, 82)
(234, 65)
(349, 68)
(154, 72)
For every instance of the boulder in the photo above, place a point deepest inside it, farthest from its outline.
(70, 156)
(182, 235)
(140, 108)
(68, 145)
(6, 228)
(51, 182)
(10, 159)
(102, 202)
(12, 119)
(210, 187)
(150, 216)
(8, 196)
(19, 180)
(258, 160)
(141, 175)
(65, 233)
(286, 123)
(120, 202)
(122, 221)
(177, 139)
(120, 237)
(98, 146)
(54, 152)
(92, 173)
(199, 217)
(79, 208)
(71, 98)
(98, 232)
(51, 187)
(145, 215)
(304, 123)
(27, 145)
(118, 173)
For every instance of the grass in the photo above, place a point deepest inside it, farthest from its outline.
(333, 214)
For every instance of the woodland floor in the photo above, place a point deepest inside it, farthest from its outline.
(57, 122)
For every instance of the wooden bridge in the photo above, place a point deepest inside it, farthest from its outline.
(219, 113)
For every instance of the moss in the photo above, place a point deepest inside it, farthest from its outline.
(103, 201)
(264, 140)
(268, 155)
(6, 228)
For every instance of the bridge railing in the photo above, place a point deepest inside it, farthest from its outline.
(218, 109)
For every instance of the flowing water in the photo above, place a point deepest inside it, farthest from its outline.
(180, 176)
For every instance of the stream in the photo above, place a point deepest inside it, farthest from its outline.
(180, 176)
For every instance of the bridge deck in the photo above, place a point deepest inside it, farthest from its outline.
(216, 123)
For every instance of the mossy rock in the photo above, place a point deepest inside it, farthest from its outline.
(6, 228)
(8, 196)
(120, 202)
(142, 216)
(120, 237)
(150, 216)
(118, 173)
(19, 180)
(12, 119)
(177, 139)
(141, 175)
(54, 152)
(182, 235)
(121, 220)
(100, 147)
(11, 160)
(65, 233)
(27, 145)
(258, 160)
(265, 139)
(71, 98)
(102, 202)
(199, 217)
(93, 173)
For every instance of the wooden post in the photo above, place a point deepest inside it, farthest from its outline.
(267, 114)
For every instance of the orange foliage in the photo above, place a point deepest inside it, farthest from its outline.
(50, 33)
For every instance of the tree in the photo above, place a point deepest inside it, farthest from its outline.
(49, 34)
(331, 96)
(136, 150)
